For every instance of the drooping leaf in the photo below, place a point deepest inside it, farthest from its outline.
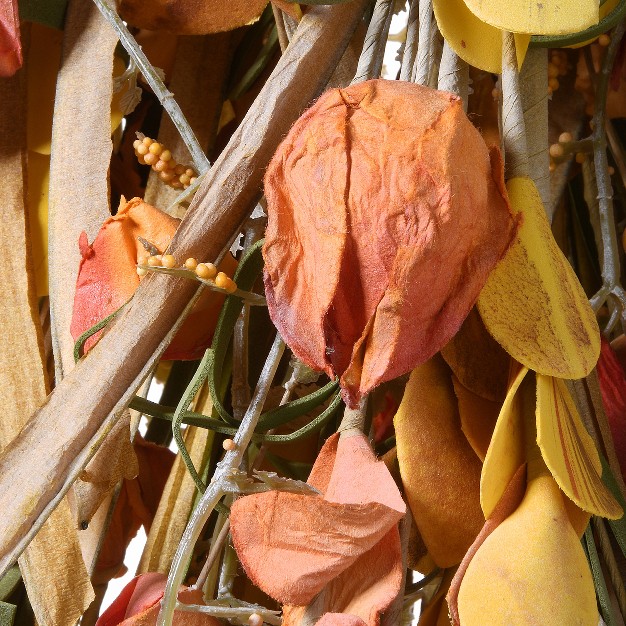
(533, 304)
(508, 580)
(474, 40)
(364, 198)
(440, 471)
(549, 17)
(318, 538)
(569, 451)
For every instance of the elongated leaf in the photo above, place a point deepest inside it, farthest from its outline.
(604, 600)
(569, 450)
(533, 304)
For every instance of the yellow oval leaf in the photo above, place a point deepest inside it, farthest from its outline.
(569, 451)
(605, 9)
(532, 302)
(548, 17)
(506, 450)
(475, 41)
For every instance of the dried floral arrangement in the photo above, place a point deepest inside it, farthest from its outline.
(380, 321)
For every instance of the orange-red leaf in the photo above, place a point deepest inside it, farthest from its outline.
(371, 190)
(10, 44)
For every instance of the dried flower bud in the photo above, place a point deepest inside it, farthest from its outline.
(386, 214)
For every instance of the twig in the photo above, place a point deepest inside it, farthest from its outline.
(215, 550)
(513, 125)
(410, 45)
(616, 148)
(371, 59)
(610, 265)
(424, 52)
(283, 40)
(156, 84)
(216, 490)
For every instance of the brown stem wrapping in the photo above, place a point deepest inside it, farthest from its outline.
(61, 437)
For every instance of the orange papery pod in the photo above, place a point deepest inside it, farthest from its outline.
(139, 604)
(387, 212)
(107, 277)
(10, 43)
(345, 540)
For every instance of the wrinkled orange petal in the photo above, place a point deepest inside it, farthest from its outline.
(10, 43)
(317, 538)
(440, 471)
(365, 197)
(108, 277)
(140, 601)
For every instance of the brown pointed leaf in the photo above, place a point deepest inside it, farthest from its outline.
(365, 197)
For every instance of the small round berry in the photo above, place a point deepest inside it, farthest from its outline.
(206, 271)
(137, 143)
(192, 180)
(604, 40)
(228, 445)
(154, 261)
(184, 179)
(189, 172)
(156, 148)
(224, 282)
(166, 155)
(147, 142)
(565, 138)
(168, 261)
(611, 170)
(141, 271)
(140, 160)
(552, 166)
(159, 166)
(150, 158)
(191, 264)
(553, 84)
(141, 149)
(556, 150)
(580, 157)
(166, 175)
(255, 620)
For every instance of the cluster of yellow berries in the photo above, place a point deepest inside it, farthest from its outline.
(205, 271)
(559, 152)
(150, 152)
(556, 67)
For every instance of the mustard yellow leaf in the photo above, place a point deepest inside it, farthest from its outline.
(506, 450)
(533, 304)
(569, 451)
(605, 9)
(548, 17)
(475, 41)
(531, 569)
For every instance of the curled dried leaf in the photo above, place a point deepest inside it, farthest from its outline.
(370, 190)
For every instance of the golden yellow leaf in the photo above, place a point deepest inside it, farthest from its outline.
(533, 304)
(506, 450)
(569, 451)
(475, 41)
(605, 9)
(531, 569)
(548, 17)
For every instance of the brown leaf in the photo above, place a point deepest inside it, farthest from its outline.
(365, 197)
(292, 545)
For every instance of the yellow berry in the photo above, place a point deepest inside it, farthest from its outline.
(565, 138)
(142, 271)
(150, 158)
(166, 176)
(156, 148)
(495, 93)
(255, 620)
(166, 155)
(580, 157)
(192, 180)
(159, 166)
(141, 149)
(147, 142)
(224, 282)
(556, 150)
(553, 84)
(604, 40)
(189, 172)
(154, 261)
(206, 271)
(184, 179)
(611, 170)
(168, 261)
(228, 444)
(191, 264)
(141, 161)
(137, 143)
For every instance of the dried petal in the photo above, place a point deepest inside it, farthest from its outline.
(317, 538)
(370, 190)
(10, 44)
(190, 17)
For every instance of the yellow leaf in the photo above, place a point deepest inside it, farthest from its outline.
(531, 569)
(605, 9)
(569, 451)
(533, 304)
(548, 17)
(475, 41)
(506, 450)
(37, 200)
